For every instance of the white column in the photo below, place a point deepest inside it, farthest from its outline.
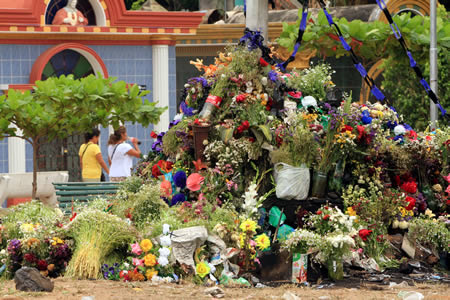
(160, 89)
(257, 16)
(16, 154)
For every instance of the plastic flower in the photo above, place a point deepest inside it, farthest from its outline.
(136, 249)
(164, 251)
(364, 233)
(150, 260)
(179, 178)
(194, 182)
(166, 241)
(146, 245)
(411, 203)
(350, 211)
(138, 262)
(166, 188)
(202, 269)
(262, 241)
(409, 187)
(166, 228)
(163, 261)
(150, 273)
(248, 225)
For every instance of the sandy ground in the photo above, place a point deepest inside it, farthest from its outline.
(101, 289)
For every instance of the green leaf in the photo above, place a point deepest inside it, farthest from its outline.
(226, 134)
(266, 131)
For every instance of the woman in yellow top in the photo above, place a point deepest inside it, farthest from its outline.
(91, 159)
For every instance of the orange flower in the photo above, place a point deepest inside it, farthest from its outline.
(150, 260)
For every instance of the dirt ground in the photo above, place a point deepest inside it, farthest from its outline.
(101, 289)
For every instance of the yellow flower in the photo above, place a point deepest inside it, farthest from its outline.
(350, 211)
(241, 240)
(202, 269)
(146, 245)
(26, 227)
(429, 213)
(150, 273)
(262, 241)
(32, 241)
(150, 260)
(248, 225)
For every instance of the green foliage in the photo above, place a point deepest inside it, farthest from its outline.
(143, 206)
(371, 41)
(34, 212)
(312, 81)
(408, 95)
(374, 41)
(58, 107)
(430, 232)
(171, 142)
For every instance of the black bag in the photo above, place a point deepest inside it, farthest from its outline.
(103, 177)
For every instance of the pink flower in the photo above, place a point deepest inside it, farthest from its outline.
(194, 182)
(252, 243)
(360, 250)
(166, 188)
(136, 249)
(448, 189)
(138, 262)
(201, 197)
(447, 178)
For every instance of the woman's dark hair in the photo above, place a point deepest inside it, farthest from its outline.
(117, 135)
(89, 135)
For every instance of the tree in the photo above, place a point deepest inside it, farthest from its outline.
(58, 107)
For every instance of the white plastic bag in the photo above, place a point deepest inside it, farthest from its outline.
(292, 182)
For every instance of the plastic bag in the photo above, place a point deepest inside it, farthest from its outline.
(292, 182)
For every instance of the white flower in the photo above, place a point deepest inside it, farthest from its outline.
(126, 265)
(399, 129)
(164, 251)
(264, 80)
(166, 228)
(309, 101)
(163, 261)
(165, 241)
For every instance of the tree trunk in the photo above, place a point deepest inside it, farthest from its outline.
(35, 167)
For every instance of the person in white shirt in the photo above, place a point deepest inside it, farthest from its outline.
(120, 154)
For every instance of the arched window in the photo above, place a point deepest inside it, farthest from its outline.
(67, 62)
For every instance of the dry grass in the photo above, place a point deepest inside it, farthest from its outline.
(74, 289)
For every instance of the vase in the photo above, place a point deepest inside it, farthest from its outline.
(319, 185)
(335, 182)
(299, 267)
(200, 135)
(335, 268)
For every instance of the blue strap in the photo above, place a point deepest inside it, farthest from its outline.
(443, 111)
(425, 85)
(381, 6)
(303, 22)
(396, 31)
(329, 17)
(344, 43)
(412, 62)
(361, 69)
(377, 93)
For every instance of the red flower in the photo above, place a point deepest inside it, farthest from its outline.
(269, 104)
(241, 98)
(197, 122)
(361, 131)
(296, 95)
(73, 217)
(364, 233)
(347, 128)
(380, 238)
(326, 217)
(29, 257)
(153, 135)
(42, 265)
(262, 62)
(319, 212)
(411, 203)
(409, 187)
(412, 135)
(244, 126)
(252, 140)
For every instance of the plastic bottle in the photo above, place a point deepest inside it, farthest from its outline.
(211, 104)
(132, 139)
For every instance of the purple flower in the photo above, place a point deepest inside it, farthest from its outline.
(186, 110)
(407, 126)
(200, 79)
(178, 198)
(180, 179)
(173, 123)
(391, 125)
(157, 145)
(273, 75)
